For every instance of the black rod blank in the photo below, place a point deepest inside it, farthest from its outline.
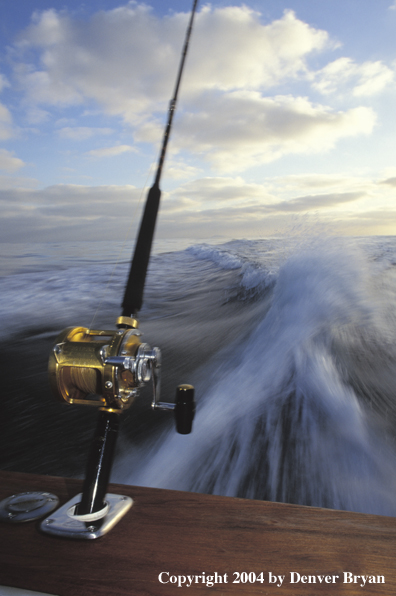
(133, 296)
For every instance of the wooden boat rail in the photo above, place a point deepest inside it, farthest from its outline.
(179, 534)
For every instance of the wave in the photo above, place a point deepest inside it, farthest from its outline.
(281, 416)
(70, 294)
(295, 387)
(254, 277)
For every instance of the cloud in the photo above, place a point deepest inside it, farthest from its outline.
(375, 221)
(226, 193)
(221, 189)
(81, 133)
(232, 49)
(204, 207)
(243, 129)
(68, 212)
(323, 201)
(118, 59)
(390, 181)
(88, 200)
(5, 123)
(125, 59)
(365, 79)
(178, 170)
(6, 131)
(36, 115)
(308, 181)
(13, 182)
(3, 82)
(8, 162)
(110, 151)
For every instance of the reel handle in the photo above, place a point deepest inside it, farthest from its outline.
(184, 409)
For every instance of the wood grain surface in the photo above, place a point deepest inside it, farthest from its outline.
(179, 534)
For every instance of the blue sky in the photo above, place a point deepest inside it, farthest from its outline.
(285, 118)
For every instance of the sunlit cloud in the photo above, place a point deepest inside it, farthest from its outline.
(319, 181)
(246, 129)
(178, 170)
(362, 80)
(222, 189)
(313, 202)
(124, 60)
(232, 50)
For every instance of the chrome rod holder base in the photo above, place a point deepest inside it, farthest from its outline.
(28, 506)
(64, 524)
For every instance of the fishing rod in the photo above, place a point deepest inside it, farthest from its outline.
(106, 369)
(133, 296)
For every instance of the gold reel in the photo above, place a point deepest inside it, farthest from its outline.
(103, 368)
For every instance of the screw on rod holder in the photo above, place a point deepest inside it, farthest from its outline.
(184, 409)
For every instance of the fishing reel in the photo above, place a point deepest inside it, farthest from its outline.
(106, 368)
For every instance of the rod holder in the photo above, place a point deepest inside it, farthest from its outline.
(99, 463)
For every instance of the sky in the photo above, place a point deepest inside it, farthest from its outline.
(285, 120)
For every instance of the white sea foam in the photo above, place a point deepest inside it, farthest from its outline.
(278, 419)
(224, 258)
(254, 277)
(298, 406)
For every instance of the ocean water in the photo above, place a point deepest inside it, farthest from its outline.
(290, 344)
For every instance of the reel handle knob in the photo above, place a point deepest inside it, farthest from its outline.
(184, 409)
